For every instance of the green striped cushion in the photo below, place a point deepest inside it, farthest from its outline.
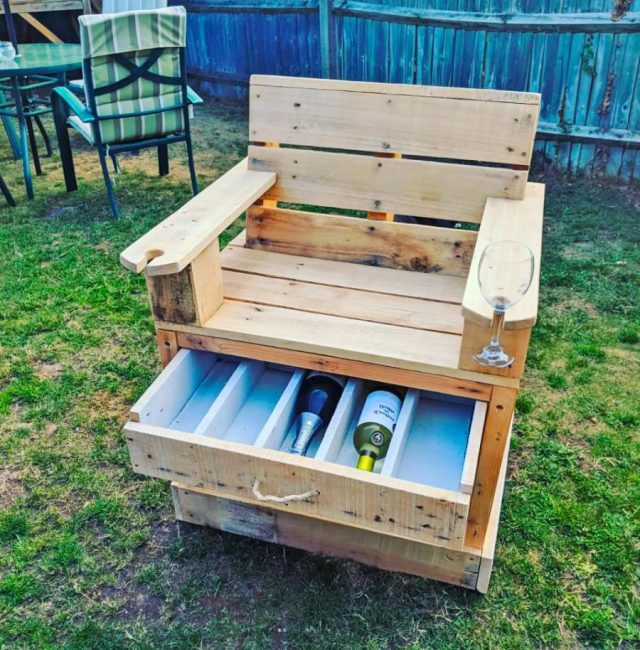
(102, 34)
(135, 33)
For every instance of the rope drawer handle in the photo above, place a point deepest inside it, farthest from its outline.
(290, 498)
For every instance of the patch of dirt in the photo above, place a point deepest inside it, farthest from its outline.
(48, 370)
(109, 403)
(575, 304)
(11, 487)
(141, 604)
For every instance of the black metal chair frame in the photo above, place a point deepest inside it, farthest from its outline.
(66, 102)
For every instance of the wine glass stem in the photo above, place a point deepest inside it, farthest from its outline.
(497, 324)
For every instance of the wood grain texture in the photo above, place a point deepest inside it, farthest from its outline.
(295, 358)
(40, 27)
(344, 495)
(360, 182)
(492, 451)
(191, 295)
(34, 6)
(333, 336)
(479, 94)
(476, 428)
(429, 286)
(353, 304)
(491, 535)
(167, 346)
(512, 221)
(175, 242)
(424, 249)
(197, 506)
(514, 341)
(392, 119)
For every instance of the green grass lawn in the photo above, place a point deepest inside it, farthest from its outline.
(90, 556)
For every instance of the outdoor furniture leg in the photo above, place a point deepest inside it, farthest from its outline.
(64, 144)
(192, 167)
(44, 134)
(14, 141)
(24, 145)
(34, 146)
(163, 159)
(115, 163)
(107, 182)
(7, 193)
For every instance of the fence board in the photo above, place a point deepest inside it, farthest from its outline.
(585, 64)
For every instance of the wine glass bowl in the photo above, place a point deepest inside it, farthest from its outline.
(505, 273)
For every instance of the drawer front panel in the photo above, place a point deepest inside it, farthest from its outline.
(340, 494)
(225, 424)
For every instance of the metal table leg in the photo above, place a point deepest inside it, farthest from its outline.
(24, 143)
(14, 142)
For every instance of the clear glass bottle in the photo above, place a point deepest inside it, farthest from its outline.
(376, 424)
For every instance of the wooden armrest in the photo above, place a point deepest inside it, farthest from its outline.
(514, 220)
(180, 238)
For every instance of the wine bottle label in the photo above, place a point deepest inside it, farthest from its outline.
(381, 407)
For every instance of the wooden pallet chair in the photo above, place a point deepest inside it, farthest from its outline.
(366, 298)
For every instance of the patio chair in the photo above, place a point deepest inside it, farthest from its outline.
(117, 7)
(135, 88)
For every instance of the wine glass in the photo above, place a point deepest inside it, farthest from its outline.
(504, 275)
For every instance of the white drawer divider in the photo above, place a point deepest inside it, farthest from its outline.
(401, 433)
(276, 427)
(167, 395)
(225, 407)
(468, 477)
(339, 424)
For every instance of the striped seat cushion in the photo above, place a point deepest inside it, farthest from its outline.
(135, 35)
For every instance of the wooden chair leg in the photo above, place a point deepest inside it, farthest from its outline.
(163, 159)
(64, 144)
(492, 449)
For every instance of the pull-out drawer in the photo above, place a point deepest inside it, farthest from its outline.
(225, 424)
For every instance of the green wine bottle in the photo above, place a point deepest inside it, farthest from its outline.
(376, 424)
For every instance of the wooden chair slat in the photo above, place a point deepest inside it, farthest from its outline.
(358, 305)
(412, 247)
(432, 286)
(294, 329)
(460, 124)
(360, 182)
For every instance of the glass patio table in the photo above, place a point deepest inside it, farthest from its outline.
(37, 65)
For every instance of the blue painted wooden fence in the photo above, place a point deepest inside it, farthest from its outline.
(582, 55)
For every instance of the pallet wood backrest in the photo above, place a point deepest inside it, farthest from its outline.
(412, 150)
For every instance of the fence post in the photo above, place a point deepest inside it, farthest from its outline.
(327, 38)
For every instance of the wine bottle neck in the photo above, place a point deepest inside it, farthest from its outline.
(306, 426)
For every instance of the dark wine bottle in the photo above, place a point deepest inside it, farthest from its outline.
(316, 403)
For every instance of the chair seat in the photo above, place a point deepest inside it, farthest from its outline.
(83, 128)
(391, 317)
